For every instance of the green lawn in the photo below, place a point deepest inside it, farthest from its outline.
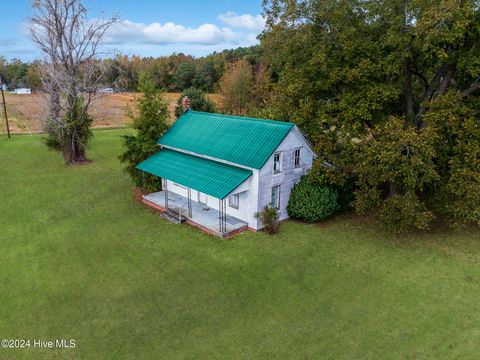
(80, 259)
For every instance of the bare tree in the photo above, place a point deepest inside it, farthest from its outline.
(70, 71)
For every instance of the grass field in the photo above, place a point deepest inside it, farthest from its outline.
(26, 111)
(80, 259)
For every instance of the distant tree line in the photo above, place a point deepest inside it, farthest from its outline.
(16, 73)
(175, 72)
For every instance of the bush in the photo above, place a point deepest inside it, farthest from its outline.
(270, 219)
(343, 184)
(312, 202)
(400, 213)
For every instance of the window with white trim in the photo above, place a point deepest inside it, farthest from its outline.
(296, 158)
(276, 163)
(234, 201)
(275, 197)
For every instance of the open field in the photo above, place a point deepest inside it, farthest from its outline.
(26, 111)
(80, 259)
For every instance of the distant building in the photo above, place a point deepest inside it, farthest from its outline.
(105, 90)
(22, 91)
(4, 87)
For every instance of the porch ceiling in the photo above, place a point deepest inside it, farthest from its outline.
(207, 176)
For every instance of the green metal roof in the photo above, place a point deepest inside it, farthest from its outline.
(210, 177)
(240, 140)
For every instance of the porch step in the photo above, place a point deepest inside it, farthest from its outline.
(173, 216)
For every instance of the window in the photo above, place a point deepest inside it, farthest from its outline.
(180, 186)
(275, 197)
(276, 163)
(296, 158)
(234, 201)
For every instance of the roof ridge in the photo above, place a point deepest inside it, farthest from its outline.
(276, 122)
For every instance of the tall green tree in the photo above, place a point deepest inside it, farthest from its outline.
(401, 77)
(150, 124)
(184, 75)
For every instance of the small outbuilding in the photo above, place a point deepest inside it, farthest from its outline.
(22, 91)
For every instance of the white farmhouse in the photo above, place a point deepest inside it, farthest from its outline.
(219, 170)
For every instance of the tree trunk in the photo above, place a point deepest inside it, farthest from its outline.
(392, 189)
(73, 150)
(407, 78)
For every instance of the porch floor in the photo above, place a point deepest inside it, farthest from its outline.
(203, 215)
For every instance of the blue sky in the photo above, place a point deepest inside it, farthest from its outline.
(150, 28)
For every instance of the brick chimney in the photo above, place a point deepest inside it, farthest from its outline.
(186, 104)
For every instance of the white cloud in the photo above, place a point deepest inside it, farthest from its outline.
(170, 33)
(249, 22)
(156, 39)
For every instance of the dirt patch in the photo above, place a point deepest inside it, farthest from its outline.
(138, 194)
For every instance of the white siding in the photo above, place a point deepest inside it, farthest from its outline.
(261, 182)
(289, 174)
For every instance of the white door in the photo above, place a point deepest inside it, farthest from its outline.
(202, 198)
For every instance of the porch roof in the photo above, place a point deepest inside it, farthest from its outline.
(207, 176)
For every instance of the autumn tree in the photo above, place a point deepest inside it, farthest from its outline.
(236, 87)
(32, 77)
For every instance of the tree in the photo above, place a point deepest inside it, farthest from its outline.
(32, 77)
(150, 124)
(388, 92)
(198, 101)
(70, 72)
(184, 75)
(205, 75)
(13, 72)
(236, 87)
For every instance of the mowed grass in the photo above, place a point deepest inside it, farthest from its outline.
(79, 259)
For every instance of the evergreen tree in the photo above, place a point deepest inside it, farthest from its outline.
(150, 124)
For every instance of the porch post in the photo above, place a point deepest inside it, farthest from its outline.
(222, 218)
(219, 215)
(224, 215)
(189, 197)
(165, 192)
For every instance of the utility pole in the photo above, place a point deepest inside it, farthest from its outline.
(5, 108)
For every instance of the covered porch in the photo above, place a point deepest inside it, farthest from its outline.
(201, 215)
(204, 176)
